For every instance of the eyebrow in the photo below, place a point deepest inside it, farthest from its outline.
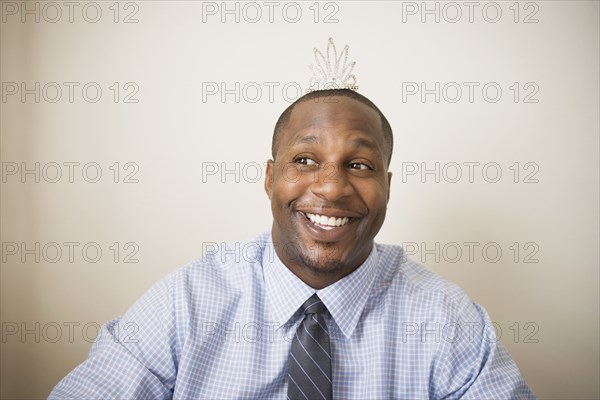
(362, 142)
(308, 139)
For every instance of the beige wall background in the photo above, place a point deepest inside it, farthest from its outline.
(133, 136)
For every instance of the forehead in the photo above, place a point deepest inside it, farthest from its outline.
(336, 114)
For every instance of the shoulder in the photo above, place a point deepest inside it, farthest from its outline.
(411, 284)
(432, 317)
(220, 283)
(222, 266)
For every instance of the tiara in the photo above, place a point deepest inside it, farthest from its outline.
(332, 71)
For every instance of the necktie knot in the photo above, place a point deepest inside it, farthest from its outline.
(313, 305)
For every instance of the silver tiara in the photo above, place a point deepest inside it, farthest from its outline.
(332, 71)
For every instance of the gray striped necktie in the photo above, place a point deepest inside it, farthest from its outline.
(309, 375)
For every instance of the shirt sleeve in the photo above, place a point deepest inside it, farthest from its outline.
(474, 364)
(133, 357)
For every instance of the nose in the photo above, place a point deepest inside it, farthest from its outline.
(331, 182)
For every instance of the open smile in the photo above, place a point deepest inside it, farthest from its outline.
(325, 222)
(327, 228)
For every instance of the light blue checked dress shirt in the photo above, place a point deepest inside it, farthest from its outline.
(222, 327)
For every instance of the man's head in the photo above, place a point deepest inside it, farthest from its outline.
(326, 96)
(328, 183)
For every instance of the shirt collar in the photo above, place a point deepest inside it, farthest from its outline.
(345, 299)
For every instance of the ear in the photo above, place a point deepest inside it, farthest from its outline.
(389, 185)
(269, 178)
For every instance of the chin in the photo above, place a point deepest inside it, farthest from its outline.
(323, 258)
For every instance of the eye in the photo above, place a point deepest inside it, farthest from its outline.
(359, 166)
(305, 161)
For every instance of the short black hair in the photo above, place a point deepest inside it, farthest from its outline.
(318, 94)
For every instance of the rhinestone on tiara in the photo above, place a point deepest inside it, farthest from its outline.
(332, 71)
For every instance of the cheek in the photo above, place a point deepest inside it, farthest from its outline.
(291, 183)
(375, 197)
(285, 190)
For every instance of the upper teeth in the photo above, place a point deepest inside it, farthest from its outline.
(327, 221)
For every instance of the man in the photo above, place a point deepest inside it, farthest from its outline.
(379, 327)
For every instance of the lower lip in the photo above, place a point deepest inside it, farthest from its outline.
(326, 235)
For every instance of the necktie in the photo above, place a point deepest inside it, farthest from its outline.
(309, 375)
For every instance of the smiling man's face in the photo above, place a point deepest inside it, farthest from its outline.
(329, 188)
